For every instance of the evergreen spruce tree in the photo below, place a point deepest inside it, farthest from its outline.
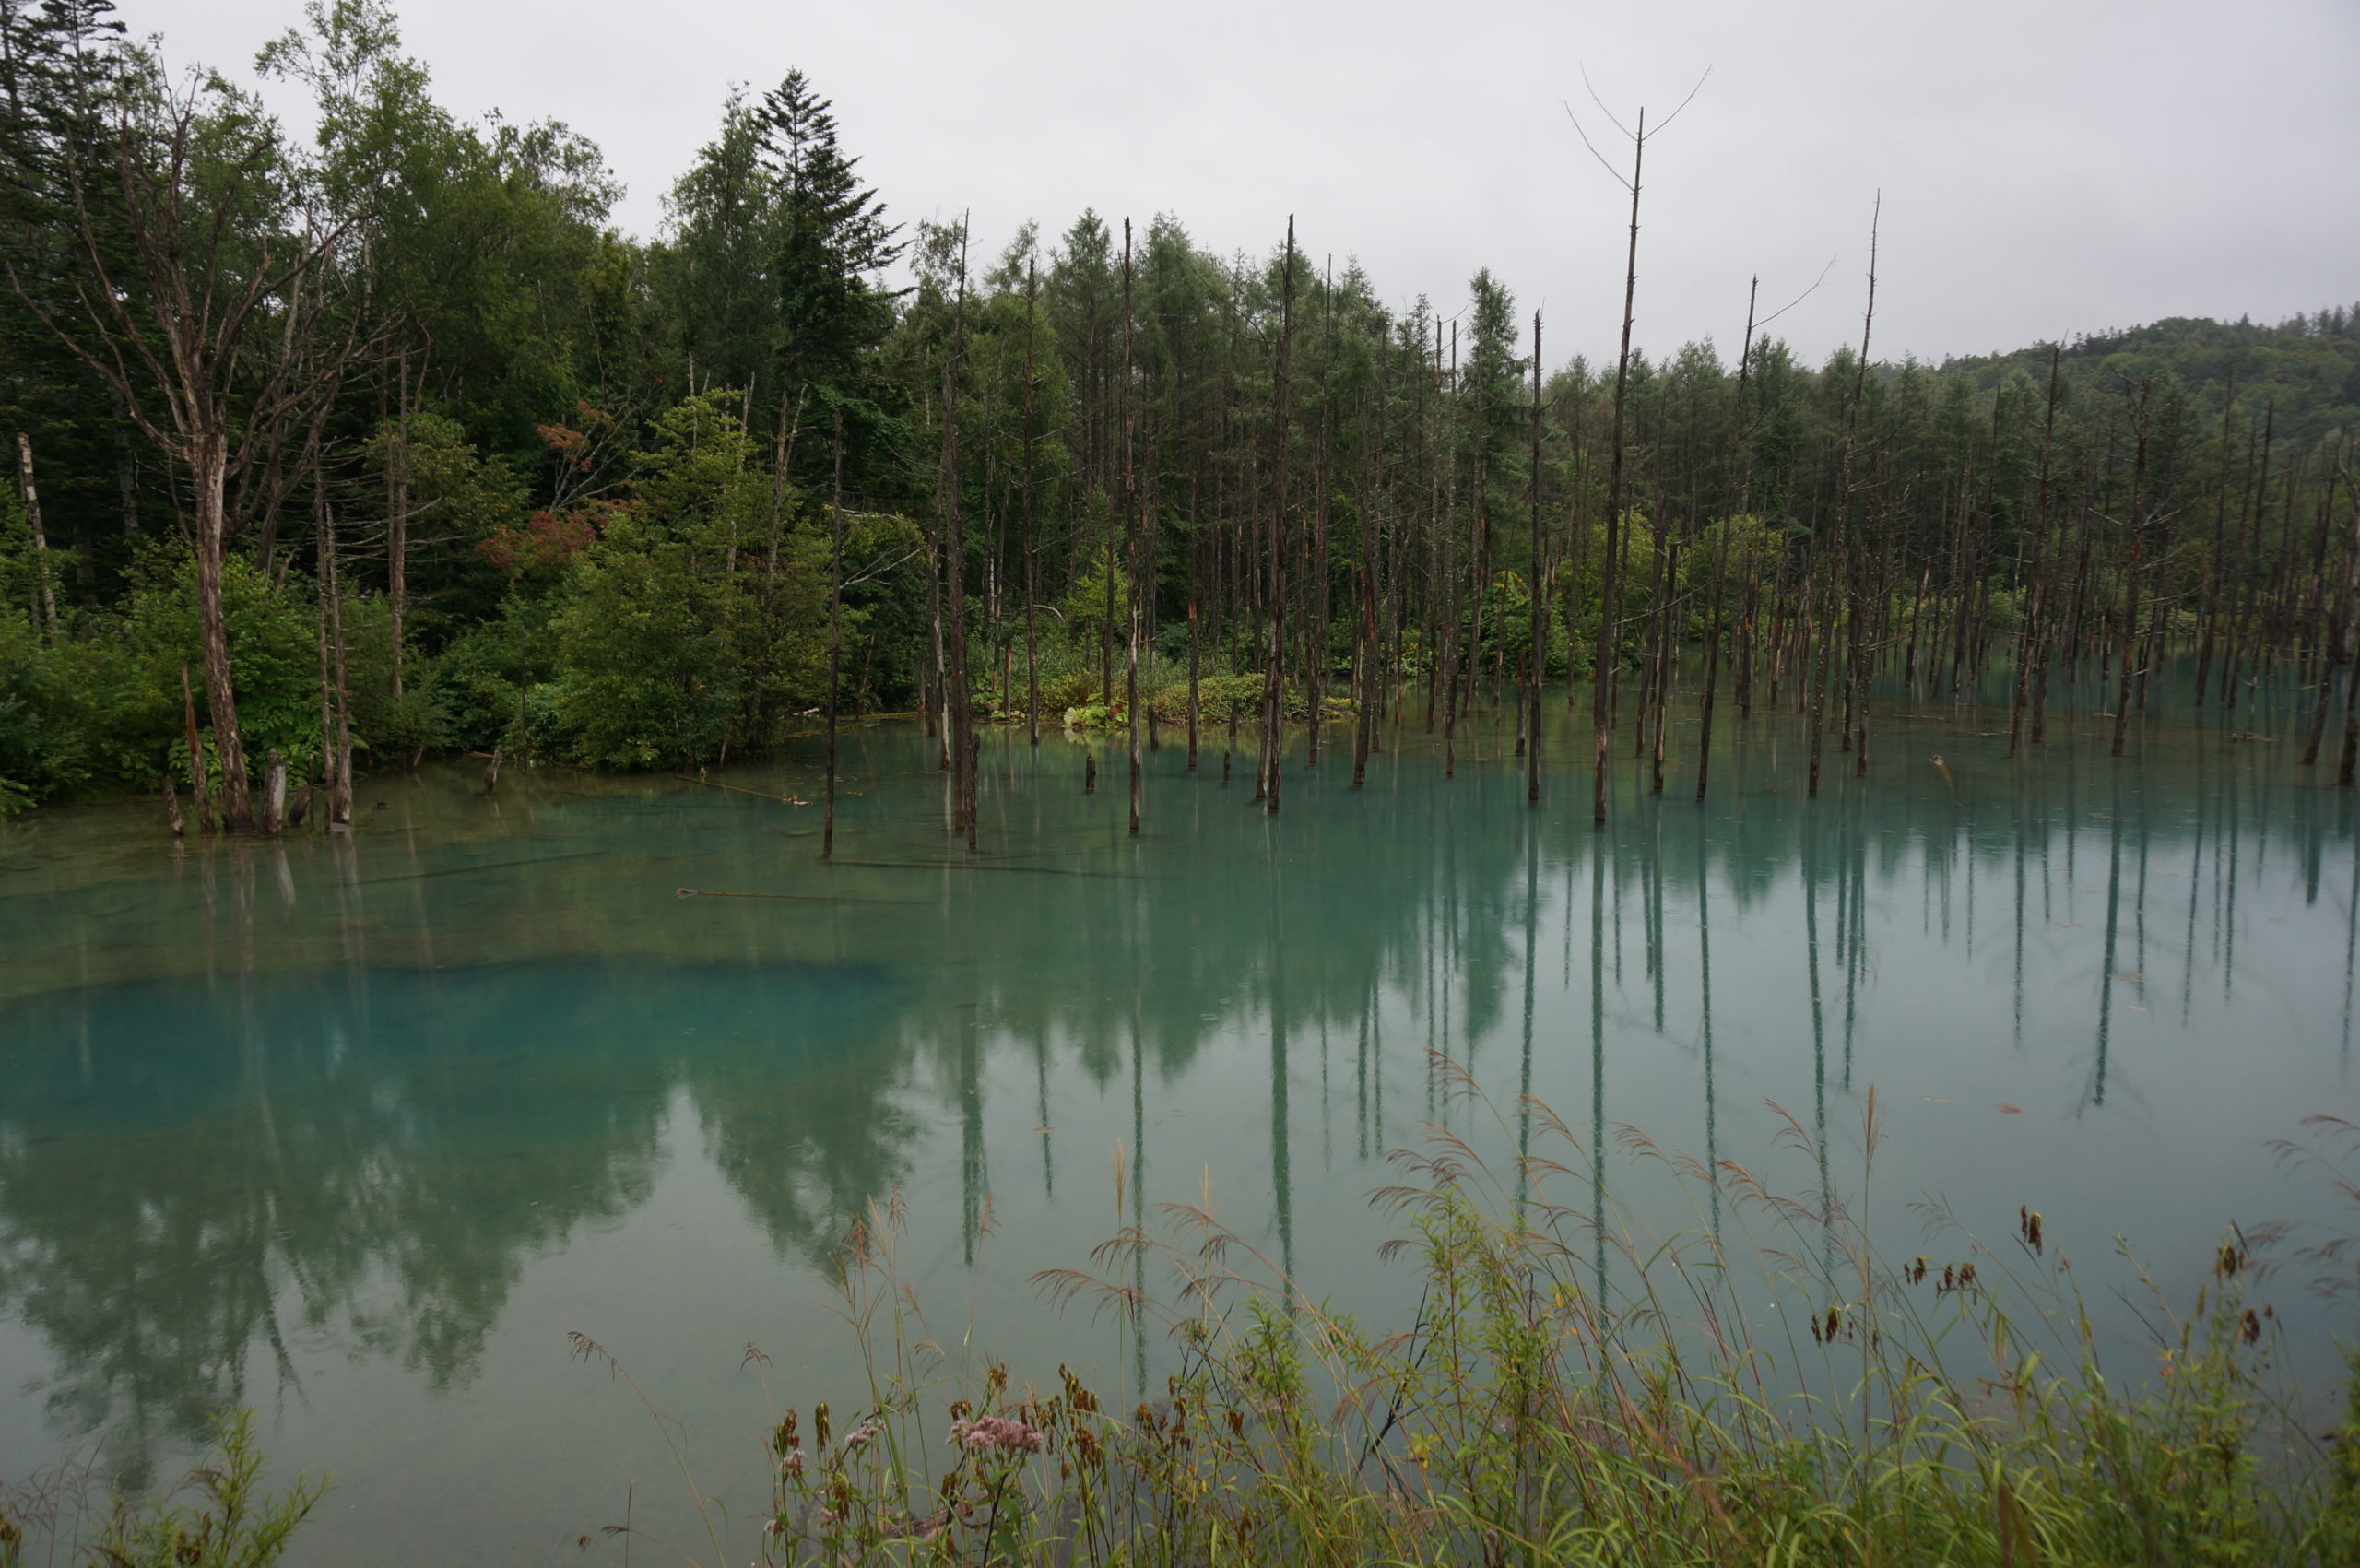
(831, 242)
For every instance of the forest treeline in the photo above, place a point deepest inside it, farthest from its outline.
(392, 444)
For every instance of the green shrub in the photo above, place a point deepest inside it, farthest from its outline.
(101, 706)
(480, 676)
(219, 1517)
(643, 680)
(1071, 690)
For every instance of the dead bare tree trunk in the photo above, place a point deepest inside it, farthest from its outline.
(958, 702)
(837, 635)
(2127, 635)
(41, 539)
(1741, 502)
(397, 515)
(274, 792)
(2028, 637)
(337, 736)
(1859, 554)
(1132, 519)
(197, 789)
(1608, 618)
(1366, 667)
(1539, 587)
(209, 263)
(2343, 646)
(2213, 557)
(1275, 575)
(1032, 545)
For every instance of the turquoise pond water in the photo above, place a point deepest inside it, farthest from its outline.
(355, 1132)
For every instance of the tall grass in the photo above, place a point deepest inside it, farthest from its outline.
(1758, 1387)
(218, 1516)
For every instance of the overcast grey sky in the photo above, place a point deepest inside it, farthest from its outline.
(2048, 165)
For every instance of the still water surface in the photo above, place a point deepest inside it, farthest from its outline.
(354, 1133)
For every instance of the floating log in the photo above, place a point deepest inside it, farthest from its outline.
(741, 789)
(978, 866)
(798, 898)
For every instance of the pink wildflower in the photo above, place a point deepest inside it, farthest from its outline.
(1008, 1435)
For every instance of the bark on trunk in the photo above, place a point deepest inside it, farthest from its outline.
(209, 474)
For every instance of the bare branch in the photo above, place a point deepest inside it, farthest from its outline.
(1613, 172)
(1665, 122)
(1798, 299)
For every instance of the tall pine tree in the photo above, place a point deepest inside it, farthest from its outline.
(833, 241)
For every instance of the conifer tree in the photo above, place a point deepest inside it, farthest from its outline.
(832, 239)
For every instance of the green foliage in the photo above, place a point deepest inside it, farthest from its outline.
(458, 498)
(697, 620)
(37, 734)
(644, 678)
(220, 1517)
(391, 728)
(638, 440)
(2306, 369)
(274, 661)
(1163, 690)
(1220, 700)
(1072, 690)
(101, 707)
(1729, 552)
(1096, 611)
(831, 240)
(1634, 581)
(494, 680)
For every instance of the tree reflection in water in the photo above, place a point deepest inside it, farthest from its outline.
(263, 1096)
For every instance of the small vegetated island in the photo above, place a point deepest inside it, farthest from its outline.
(501, 721)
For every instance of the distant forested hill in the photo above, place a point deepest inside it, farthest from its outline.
(2306, 368)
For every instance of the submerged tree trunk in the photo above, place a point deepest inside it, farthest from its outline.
(1137, 569)
(208, 475)
(1538, 661)
(41, 539)
(1740, 500)
(835, 638)
(2029, 635)
(1271, 767)
(1367, 675)
(1608, 618)
(1031, 544)
(397, 517)
(958, 702)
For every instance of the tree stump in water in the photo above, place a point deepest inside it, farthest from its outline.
(274, 792)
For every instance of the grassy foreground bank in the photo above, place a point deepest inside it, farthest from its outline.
(1758, 1387)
